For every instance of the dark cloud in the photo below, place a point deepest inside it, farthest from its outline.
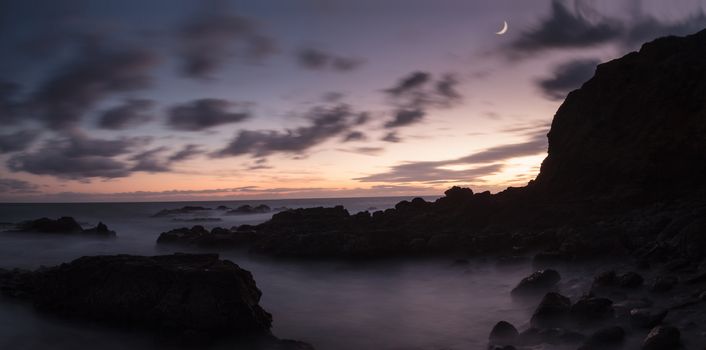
(567, 29)
(17, 186)
(93, 75)
(9, 104)
(17, 141)
(77, 157)
(566, 77)
(324, 124)
(417, 92)
(354, 136)
(483, 163)
(405, 117)
(127, 115)
(209, 40)
(316, 59)
(203, 114)
(391, 137)
(187, 152)
(150, 161)
(368, 151)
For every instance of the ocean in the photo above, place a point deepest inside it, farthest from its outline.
(420, 304)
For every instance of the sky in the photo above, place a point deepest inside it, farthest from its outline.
(159, 100)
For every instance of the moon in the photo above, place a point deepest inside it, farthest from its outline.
(504, 30)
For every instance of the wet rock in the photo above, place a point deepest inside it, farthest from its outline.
(662, 338)
(196, 293)
(591, 310)
(605, 338)
(537, 283)
(630, 280)
(530, 337)
(552, 311)
(63, 225)
(179, 211)
(664, 284)
(200, 236)
(646, 318)
(504, 333)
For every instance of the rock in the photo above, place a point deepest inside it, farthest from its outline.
(605, 338)
(546, 259)
(630, 280)
(63, 225)
(506, 347)
(179, 211)
(200, 236)
(530, 337)
(591, 310)
(504, 333)
(197, 219)
(193, 293)
(559, 336)
(247, 209)
(664, 284)
(537, 283)
(662, 338)
(552, 311)
(645, 318)
(605, 279)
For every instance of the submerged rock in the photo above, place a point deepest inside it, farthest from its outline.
(63, 225)
(538, 282)
(198, 295)
(662, 338)
(552, 311)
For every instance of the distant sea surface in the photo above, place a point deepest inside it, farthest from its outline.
(334, 305)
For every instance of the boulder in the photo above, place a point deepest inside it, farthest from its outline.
(504, 333)
(646, 318)
(630, 280)
(552, 311)
(664, 284)
(592, 310)
(605, 338)
(63, 225)
(537, 283)
(662, 338)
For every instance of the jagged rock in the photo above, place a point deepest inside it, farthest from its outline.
(662, 338)
(605, 338)
(63, 225)
(591, 310)
(179, 211)
(645, 318)
(537, 283)
(630, 280)
(504, 333)
(664, 284)
(552, 311)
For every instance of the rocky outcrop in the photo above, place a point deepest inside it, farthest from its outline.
(63, 225)
(189, 209)
(247, 209)
(197, 295)
(537, 283)
(217, 237)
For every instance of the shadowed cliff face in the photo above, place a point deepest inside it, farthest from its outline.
(636, 130)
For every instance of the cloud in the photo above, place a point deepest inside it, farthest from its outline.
(324, 124)
(391, 137)
(77, 157)
(150, 161)
(204, 114)
(212, 38)
(316, 59)
(127, 115)
(646, 28)
(17, 186)
(368, 151)
(566, 77)
(93, 75)
(405, 117)
(17, 141)
(354, 136)
(187, 152)
(417, 92)
(9, 105)
(483, 163)
(564, 28)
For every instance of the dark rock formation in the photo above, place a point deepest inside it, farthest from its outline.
(591, 310)
(63, 225)
(504, 333)
(645, 318)
(180, 211)
(538, 282)
(552, 311)
(662, 338)
(605, 338)
(247, 209)
(200, 236)
(197, 295)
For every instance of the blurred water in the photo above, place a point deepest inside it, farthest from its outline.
(401, 304)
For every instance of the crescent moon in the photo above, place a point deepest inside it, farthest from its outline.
(504, 30)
